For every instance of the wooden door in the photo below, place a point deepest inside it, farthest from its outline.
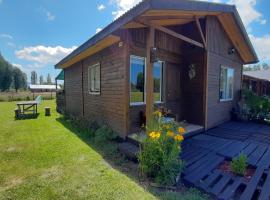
(173, 89)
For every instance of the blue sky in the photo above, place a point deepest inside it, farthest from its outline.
(35, 34)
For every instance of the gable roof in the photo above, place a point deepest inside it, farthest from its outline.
(259, 74)
(233, 21)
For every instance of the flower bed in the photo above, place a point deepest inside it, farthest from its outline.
(159, 155)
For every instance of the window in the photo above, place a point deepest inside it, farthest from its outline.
(137, 80)
(158, 71)
(94, 79)
(226, 83)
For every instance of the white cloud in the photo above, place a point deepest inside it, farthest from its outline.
(101, 7)
(11, 44)
(122, 6)
(18, 66)
(262, 46)
(43, 55)
(98, 30)
(50, 16)
(248, 11)
(7, 36)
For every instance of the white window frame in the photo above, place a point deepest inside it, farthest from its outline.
(89, 79)
(144, 94)
(145, 76)
(227, 68)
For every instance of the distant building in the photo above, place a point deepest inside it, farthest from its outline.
(43, 88)
(257, 81)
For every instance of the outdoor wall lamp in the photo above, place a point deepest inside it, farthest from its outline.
(231, 51)
(154, 57)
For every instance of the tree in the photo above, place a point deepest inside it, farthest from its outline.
(49, 80)
(10, 76)
(265, 66)
(5, 74)
(33, 78)
(41, 80)
(19, 79)
(140, 82)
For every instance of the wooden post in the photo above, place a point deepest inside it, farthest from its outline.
(150, 42)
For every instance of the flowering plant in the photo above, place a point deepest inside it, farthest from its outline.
(159, 157)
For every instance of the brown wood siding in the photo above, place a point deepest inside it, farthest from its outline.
(73, 90)
(108, 107)
(218, 45)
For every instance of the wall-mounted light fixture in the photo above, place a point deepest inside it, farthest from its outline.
(154, 57)
(231, 50)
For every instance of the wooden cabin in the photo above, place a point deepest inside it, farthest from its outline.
(257, 81)
(186, 56)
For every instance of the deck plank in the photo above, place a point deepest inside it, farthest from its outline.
(220, 184)
(252, 185)
(265, 193)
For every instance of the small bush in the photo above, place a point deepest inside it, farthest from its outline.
(103, 134)
(239, 164)
(159, 154)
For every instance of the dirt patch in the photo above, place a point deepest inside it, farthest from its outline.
(225, 166)
(11, 183)
(52, 173)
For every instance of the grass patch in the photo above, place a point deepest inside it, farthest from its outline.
(138, 97)
(51, 158)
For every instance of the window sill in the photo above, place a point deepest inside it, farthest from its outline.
(225, 100)
(95, 93)
(143, 104)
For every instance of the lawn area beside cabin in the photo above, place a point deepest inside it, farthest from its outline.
(49, 158)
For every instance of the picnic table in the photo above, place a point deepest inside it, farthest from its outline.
(29, 106)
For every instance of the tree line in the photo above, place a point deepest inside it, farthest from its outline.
(257, 67)
(11, 77)
(34, 79)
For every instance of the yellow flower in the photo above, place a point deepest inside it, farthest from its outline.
(152, 134)
(157, 135)
(170, 134)
(181, 130)
(158, 113)
(179, 137)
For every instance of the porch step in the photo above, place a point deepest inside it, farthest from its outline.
(192, 130)
(129, 150)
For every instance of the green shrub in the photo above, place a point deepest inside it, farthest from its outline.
(239, 164)
(258, 106)
(159, 154)
(103, 134)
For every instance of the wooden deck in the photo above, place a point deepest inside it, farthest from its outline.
(204, 153)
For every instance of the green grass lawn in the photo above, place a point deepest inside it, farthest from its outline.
(48, 158)
(138, 96)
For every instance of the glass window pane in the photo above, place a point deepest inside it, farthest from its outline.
(223, 80)
(97, 78)
(226, 83)
(157, 81)
(230, 84)
(92, 75)
(137, 66)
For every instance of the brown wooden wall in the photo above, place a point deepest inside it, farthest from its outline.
(73, 90)
(108, 107)
(218, 45)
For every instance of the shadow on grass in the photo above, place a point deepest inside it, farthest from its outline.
(109, 151)
(27, 116)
